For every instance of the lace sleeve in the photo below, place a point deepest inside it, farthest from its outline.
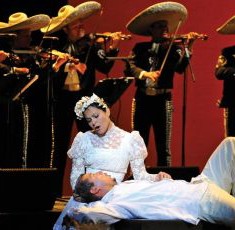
(138, 155)
(76, 154)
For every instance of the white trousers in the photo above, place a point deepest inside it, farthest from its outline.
(217, 205)
(220, 168)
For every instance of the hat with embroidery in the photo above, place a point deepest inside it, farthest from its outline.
(172, 12)
(228, 27)
(20, 21)
(68, 14)
(85, 102)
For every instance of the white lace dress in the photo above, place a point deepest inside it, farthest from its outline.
(111, 153)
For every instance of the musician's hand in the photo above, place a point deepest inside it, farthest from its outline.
(60, 61)
(163, 175)
(3, 55)
(192, 35)
(115, 39)
(191, 38)
(153, 75)
(21, 70)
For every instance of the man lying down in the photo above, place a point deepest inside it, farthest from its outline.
(207, 197)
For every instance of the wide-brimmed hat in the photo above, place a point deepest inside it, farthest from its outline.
(68, 14)
(20, 21)
(172, 12)
(228, 27)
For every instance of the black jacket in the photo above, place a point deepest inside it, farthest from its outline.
(225, 70)
(176, 62)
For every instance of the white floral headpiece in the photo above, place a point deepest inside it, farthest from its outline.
(85, 102)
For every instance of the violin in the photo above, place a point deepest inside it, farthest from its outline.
(101, 37)
(65, 55)
(182, 37)
(54, 54)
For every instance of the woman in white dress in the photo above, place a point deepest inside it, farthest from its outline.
(105, 148)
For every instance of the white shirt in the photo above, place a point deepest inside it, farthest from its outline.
(164, 200)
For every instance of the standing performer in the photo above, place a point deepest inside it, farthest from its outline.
(154, 65)
(225, 71)
(23, 129)
(75, 71)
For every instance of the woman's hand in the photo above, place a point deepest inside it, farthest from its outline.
(163, 175)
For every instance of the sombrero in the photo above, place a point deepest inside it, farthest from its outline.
(228, 27)
(68, 14)
(20, 21)
(172, 12)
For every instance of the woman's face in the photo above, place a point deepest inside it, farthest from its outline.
(98, 120)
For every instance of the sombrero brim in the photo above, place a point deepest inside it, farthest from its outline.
(3, 25)
(32, 23)
(81, 12)
(173, 12)
(228, 27)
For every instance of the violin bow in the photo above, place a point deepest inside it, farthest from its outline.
(95, 28)
(169, 48)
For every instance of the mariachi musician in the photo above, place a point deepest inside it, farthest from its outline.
(23, 128)
(75, 70)
(154, 64)
(225, 71)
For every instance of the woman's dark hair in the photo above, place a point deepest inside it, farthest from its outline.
(82, 189)
(98, 106)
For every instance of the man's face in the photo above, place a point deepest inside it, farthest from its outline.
(100, 179)
(23, 39)
(159, 29)
(75, 30)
